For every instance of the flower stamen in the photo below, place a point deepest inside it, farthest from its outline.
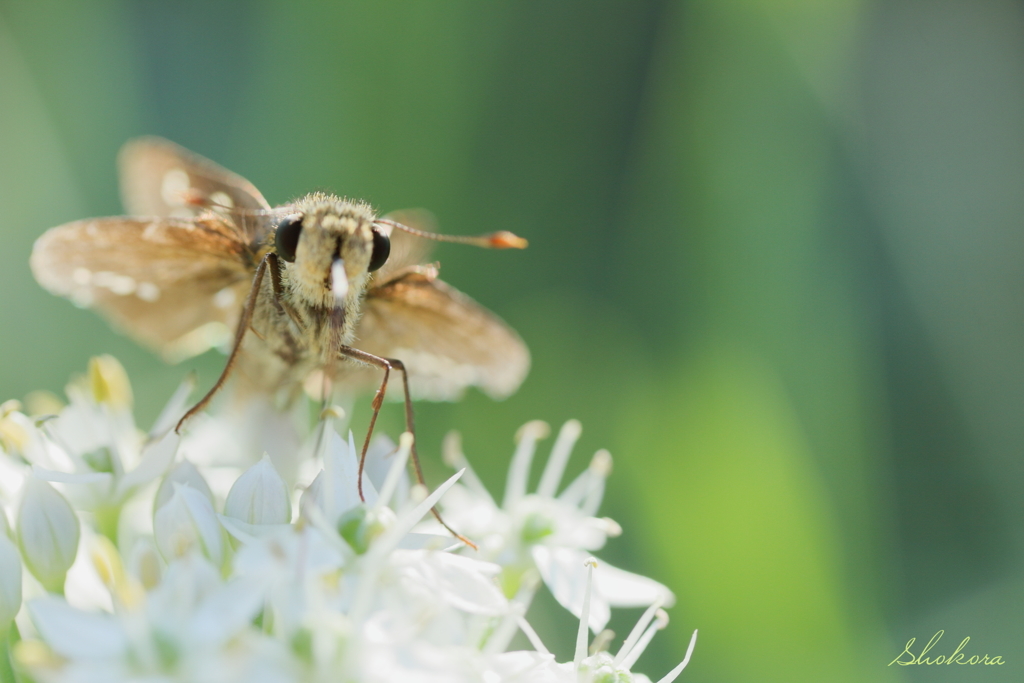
(390, 485)
(635, 634)
(582, 636)
(674, 673)
(519, 471)
(660, 622)
(451, 453)
(559, 458)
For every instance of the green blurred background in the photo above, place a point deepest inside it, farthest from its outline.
(775, 266)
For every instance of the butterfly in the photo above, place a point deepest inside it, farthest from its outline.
(321, 289)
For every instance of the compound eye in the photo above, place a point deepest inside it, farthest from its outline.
(286, 238)
(381, 250)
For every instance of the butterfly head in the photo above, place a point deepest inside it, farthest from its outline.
(329, 247)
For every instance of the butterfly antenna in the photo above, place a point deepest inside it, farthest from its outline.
(503, 239)
(278, 211)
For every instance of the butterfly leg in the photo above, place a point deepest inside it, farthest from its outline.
(386, 364)
(243, 326)
(280, 303)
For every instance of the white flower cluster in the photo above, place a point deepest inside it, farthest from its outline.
(136, 556)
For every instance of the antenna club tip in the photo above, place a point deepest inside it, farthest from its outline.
(504, 239)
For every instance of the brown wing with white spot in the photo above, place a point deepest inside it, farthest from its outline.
(447, 341)
(176, 286)
(160, 178)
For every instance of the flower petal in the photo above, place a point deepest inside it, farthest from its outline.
(48, 533)
(75, 634)
(461, 582)
(156, 458)
(337, 490)
(186, 474)
(10, 580)
(626, 589)
(259, 496)
(225, 612)
(531, 667)
(174, 408)
(565, 575)
(71, 477)
(188, 521)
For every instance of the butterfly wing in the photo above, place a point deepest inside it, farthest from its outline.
(160, 178)
(175, 286)
(447, 341)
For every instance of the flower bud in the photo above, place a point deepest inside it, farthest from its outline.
(10, 582)
(313, 495)
(15, 430)
(362, 524)
(259, 496)
(188, 521)
(109, 382)
(146, 565)
(186, 474)
(47, 533)
(39, 403)
(109, 566)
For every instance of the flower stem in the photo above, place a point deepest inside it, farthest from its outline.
(108, 518)
(8, 637)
